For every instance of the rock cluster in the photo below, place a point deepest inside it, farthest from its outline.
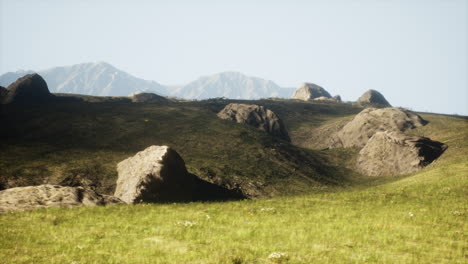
(156, 174)
(364, 125)
(395, 153)
(256, 116)
(385, 149)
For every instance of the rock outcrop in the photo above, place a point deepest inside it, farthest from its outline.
(46, 196)
(373, 98)
(148, 98)
(335, 99)
(256, 116)
(30, 88)
(395, 153)
(358, 131)
(156, 174)
(310, 91)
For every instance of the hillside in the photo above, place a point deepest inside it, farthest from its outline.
(417, 218)
(63, 141)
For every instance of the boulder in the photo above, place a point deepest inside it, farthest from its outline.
(364, 125)
(30, 88)
(373, 98)
(156, 174)
(46, 196)
(395, 153)
(310, 91)
(256, 116)
(148, 98)
(3, 93)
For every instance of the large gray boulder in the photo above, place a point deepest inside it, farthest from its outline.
(30, 88)
(373, 98)
(395, 153)
(310, 91)
(148, 98)
(156, 174)
(358, 131)
(256, 116)
(46, 196)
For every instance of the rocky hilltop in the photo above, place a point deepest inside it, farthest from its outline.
(310, 91)
(373, 98)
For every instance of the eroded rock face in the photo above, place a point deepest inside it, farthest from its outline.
(256, 116)
(156, 174)
(148, 98)
(310, 91)
(373, 98)
(30, 88)
(358, 131)
(395, 153)
(46, 196)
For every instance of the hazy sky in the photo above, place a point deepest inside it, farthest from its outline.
(414, 52)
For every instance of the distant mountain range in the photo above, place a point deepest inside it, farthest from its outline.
(103, 79)
(234, 85)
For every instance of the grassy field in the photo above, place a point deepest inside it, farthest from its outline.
(418, 218)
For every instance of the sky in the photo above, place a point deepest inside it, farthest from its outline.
(415, 52)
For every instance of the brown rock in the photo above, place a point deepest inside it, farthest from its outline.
(256, 116)
(46, 196)
(156, 174)
(310, 91)
(358, 131)
(394, 153)
(373, 98)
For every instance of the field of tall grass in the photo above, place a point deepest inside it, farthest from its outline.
(418, 218)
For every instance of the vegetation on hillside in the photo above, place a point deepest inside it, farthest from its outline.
(418, 218)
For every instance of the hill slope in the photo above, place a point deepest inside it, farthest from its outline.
(419, 218)
(87, 140)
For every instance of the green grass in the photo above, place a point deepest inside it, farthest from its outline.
(417, 218)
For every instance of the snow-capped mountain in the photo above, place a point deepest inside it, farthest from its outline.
(100, 79)
(233, 85)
